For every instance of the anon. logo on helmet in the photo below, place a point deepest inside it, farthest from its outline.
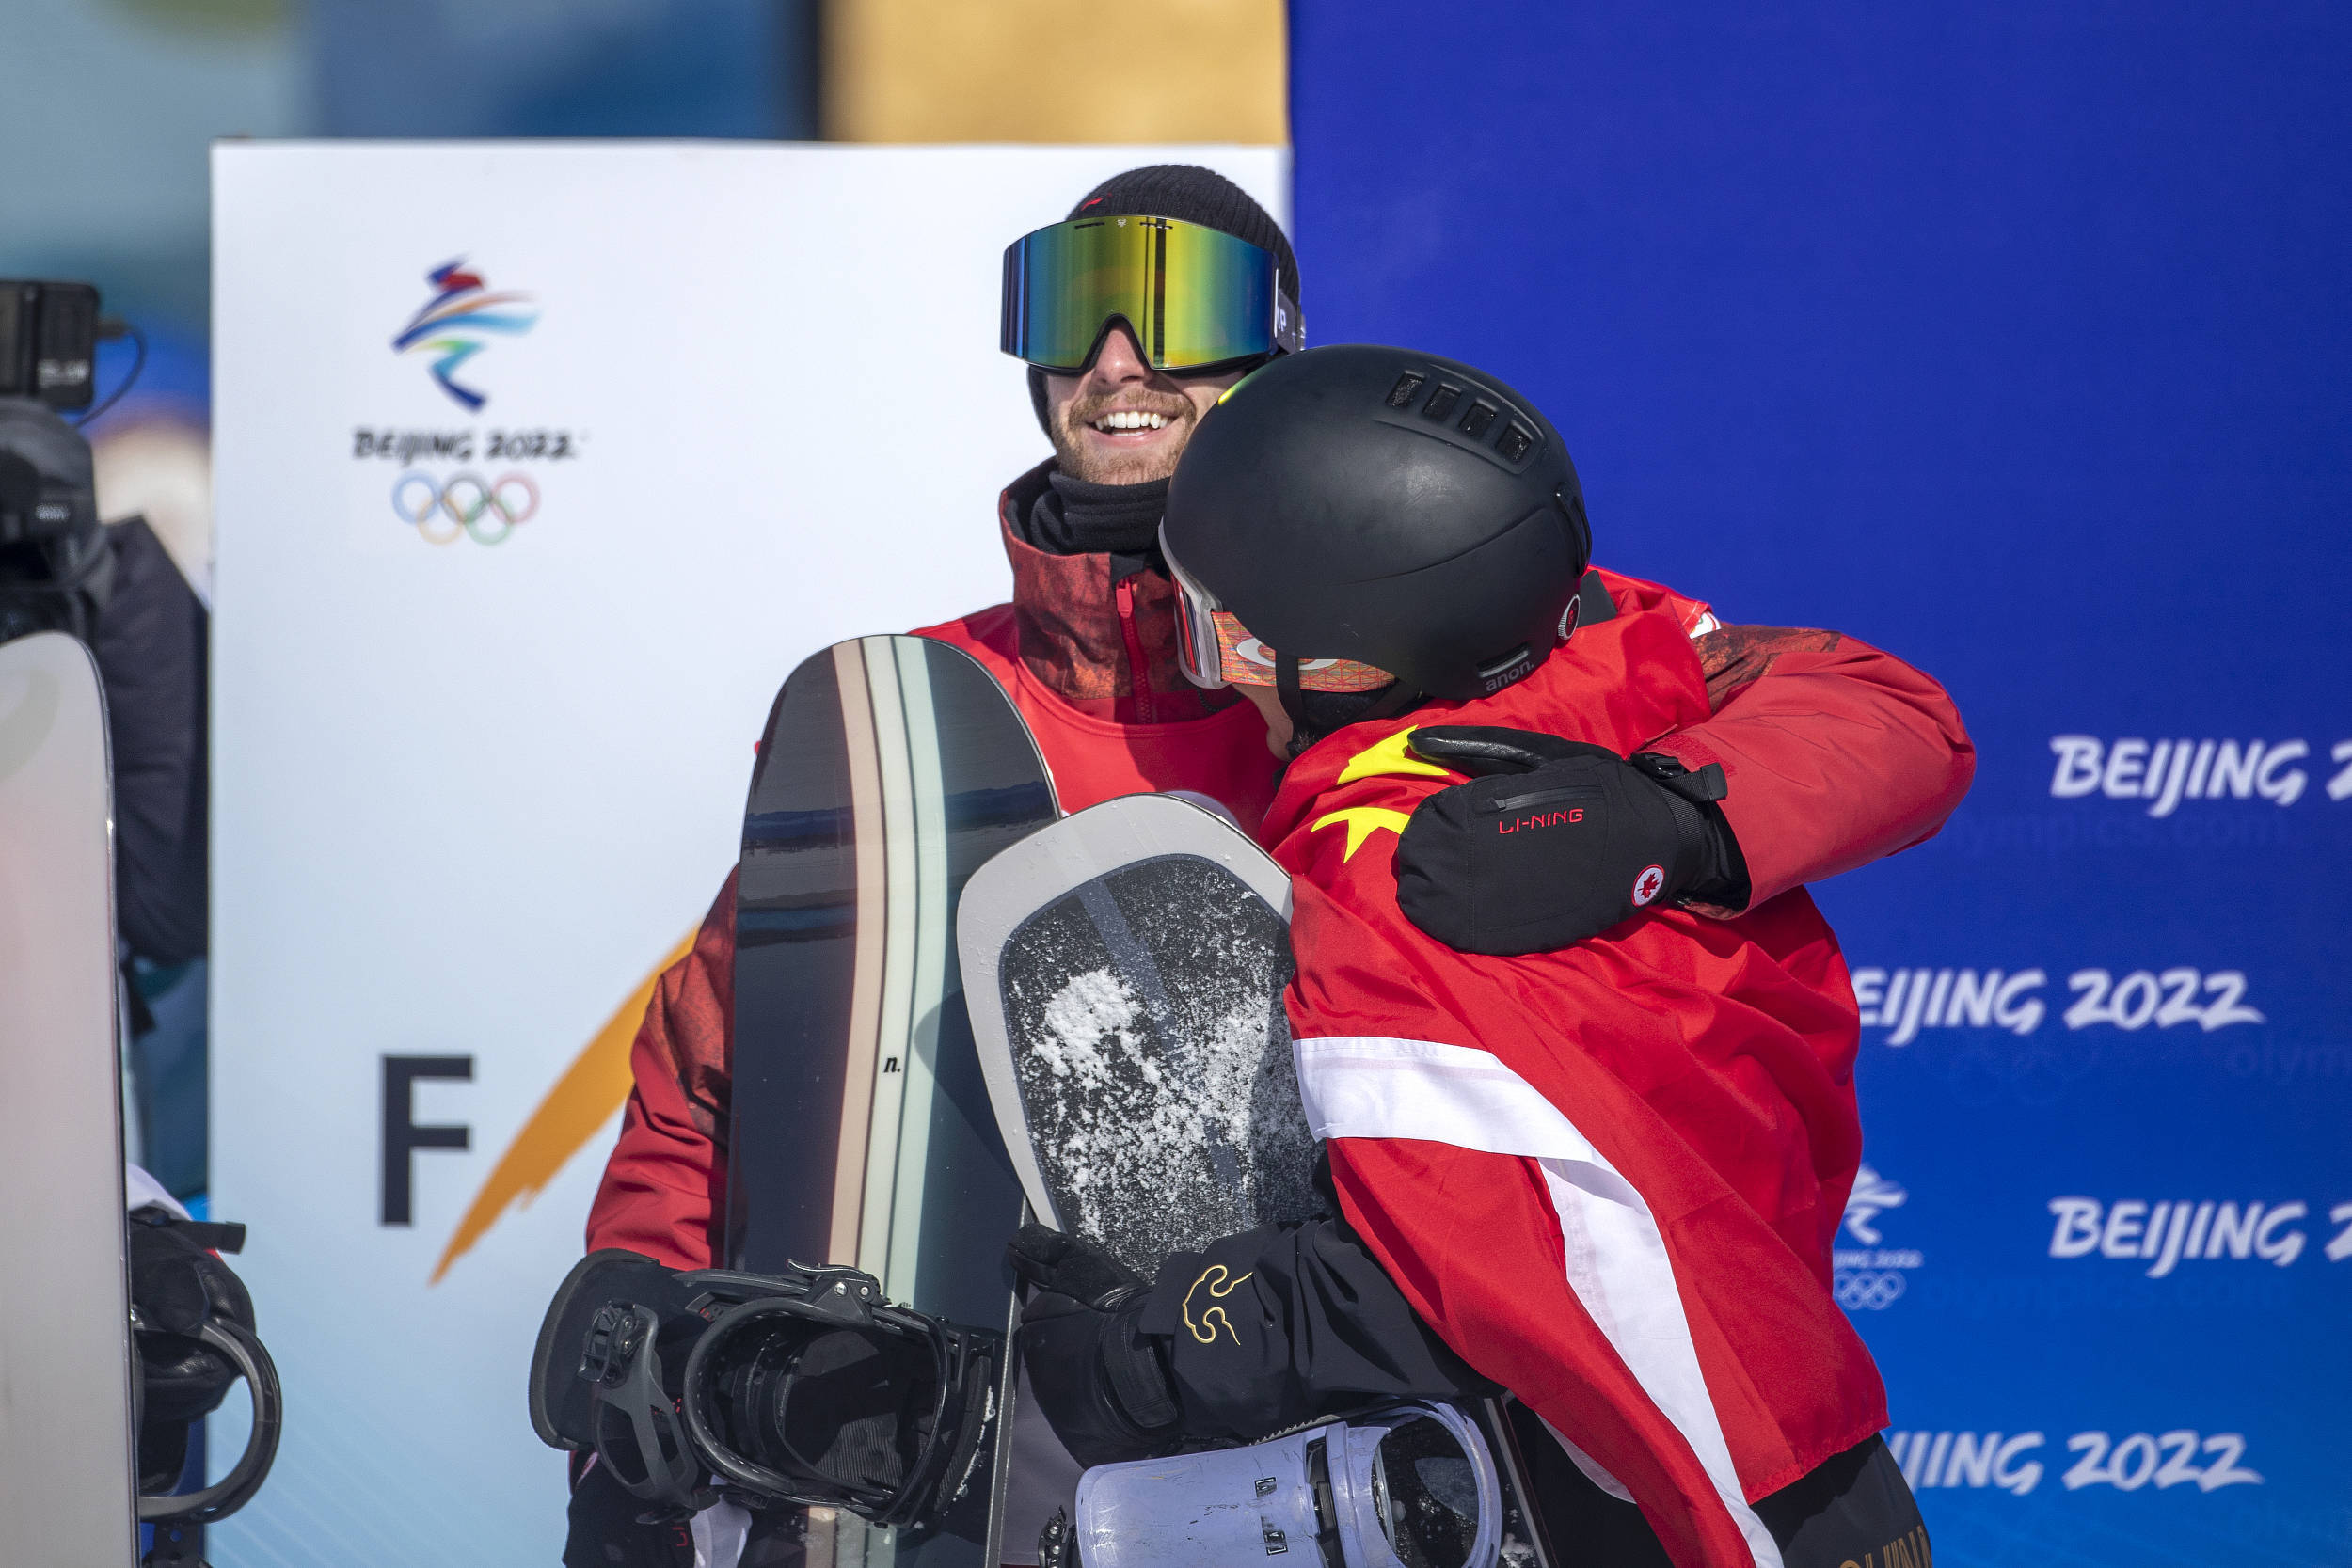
(1499, 673)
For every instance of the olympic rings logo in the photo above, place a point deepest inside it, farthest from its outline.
(485, 510)
(1868, 1289)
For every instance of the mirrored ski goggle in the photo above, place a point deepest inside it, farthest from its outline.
(1196, 298)
(1213, 649)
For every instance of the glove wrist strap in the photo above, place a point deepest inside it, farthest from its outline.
(1719, 870)
(1139, 1383)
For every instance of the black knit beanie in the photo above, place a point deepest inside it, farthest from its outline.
(1190, 193)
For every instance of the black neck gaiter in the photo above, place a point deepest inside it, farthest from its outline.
(1122, 521)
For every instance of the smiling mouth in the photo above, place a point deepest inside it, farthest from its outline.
(1127, 422)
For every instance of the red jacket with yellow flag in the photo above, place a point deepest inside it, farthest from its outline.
(1607, 1177)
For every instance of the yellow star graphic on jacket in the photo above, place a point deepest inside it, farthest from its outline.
(1384, 757)
(1362, 822)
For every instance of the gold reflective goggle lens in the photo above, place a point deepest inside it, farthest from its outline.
(1195, 296)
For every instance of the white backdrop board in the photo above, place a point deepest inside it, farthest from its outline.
(486, 679)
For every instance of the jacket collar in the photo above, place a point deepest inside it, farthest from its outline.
(1079, 631)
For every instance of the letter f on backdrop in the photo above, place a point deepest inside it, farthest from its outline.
(403, 1137)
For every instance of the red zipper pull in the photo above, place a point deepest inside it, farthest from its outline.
(1138, 674)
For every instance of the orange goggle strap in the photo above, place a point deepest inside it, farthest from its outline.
(1242, 660)
(1213, 649)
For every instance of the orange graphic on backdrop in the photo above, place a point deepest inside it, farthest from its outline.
(592, 1089)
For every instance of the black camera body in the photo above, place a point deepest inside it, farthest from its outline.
(49, 342)
(55, 571)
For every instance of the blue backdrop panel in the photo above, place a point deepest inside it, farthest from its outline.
(2015, 341)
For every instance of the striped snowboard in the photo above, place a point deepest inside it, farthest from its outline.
(860, 1129)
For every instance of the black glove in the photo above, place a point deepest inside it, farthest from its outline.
(1553, 841)
(176, 1283)
(604, 1530)
(1099, 1383)
(1289, 1322)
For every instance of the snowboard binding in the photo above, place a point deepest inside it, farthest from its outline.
(800, 1388)
(193, 1324)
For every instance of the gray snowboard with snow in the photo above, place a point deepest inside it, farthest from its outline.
(66, 1440)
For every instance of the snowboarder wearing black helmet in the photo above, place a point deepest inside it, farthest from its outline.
(1603, 1175)
(1847, 754)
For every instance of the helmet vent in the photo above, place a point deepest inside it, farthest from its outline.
(1482, 415)
(1441, 402)
(1407, 386)
(1514, 443)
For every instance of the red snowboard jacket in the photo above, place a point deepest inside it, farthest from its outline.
(1607, 1177)
(1837, 754)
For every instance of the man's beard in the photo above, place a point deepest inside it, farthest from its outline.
(1115, 467)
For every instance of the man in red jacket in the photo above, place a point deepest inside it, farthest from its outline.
(1605, 1178)
(1840, 754)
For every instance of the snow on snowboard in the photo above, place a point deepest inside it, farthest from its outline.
(892, 767)
(1133, 959)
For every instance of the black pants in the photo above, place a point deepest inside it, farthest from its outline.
(1854, 1511)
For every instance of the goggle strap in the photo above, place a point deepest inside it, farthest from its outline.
(1286, 688)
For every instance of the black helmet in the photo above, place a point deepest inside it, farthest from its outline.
(1357, 506)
